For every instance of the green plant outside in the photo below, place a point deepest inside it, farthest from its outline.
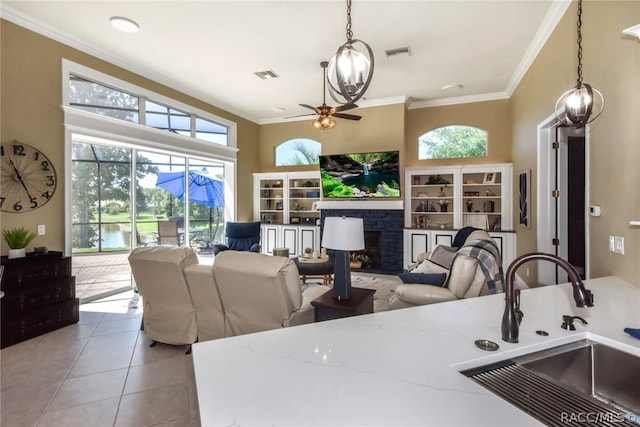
(18, 238)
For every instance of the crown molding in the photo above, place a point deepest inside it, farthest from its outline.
(554, 14)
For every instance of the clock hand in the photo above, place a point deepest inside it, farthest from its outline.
(20, 178)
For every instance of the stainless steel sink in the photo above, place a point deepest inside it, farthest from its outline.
(582, 383)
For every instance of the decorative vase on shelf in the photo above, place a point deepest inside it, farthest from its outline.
(443, 208)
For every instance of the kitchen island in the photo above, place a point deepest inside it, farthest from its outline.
(397, 368)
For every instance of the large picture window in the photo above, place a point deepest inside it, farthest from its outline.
(452, 142)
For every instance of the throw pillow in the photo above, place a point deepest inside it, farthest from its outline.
(443, 255)
(429, 267)
(424, 279)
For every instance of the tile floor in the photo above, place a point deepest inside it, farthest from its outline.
(98, 372)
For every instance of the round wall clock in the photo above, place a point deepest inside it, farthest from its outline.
(28, 178)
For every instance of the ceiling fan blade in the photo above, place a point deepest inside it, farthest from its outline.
(300, 115)
(347, 116)
(346, 107)
(308, 106)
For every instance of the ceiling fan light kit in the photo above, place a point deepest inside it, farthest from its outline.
(324, 122)
(325, 114)
(582, 104)
(350, 71)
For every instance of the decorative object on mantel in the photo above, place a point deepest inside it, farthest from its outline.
(582, 104)
(18, 239)
(350, 71)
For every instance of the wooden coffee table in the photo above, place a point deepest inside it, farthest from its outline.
(326, 307)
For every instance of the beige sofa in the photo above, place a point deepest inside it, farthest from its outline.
(465, 277)
(243, 292)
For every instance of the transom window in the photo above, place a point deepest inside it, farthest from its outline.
(298, 151)
(451, 142)
(94, 97)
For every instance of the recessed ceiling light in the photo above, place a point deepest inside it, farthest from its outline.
(451, 88)
(125, 25)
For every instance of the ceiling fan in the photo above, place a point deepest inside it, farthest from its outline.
(326, 113)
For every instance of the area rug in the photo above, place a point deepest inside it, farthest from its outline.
(384, 285)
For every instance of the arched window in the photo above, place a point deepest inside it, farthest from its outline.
(298, 151)
(450, 142)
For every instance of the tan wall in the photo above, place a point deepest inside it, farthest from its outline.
(492, 116)
(381, 128)
(611, 63)
(31, 96)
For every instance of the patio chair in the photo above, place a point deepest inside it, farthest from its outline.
(168, 233)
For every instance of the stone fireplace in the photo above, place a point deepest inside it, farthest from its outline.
(383, 237)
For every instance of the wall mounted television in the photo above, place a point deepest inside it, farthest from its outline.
(374, 175)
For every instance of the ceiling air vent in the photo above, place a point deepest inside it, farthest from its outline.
(398, 51)
(266, 75)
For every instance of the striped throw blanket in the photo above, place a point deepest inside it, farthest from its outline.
(488, 256)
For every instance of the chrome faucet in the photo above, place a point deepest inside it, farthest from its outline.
(511, 320)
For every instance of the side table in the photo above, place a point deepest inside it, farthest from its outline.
(326, 307)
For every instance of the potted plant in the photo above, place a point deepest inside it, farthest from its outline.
(308, 252)
(18, 239)
(359, 260)
(443, 205)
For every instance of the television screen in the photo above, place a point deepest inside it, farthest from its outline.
(360, 175)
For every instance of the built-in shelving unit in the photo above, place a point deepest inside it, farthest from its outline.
(287, 206)
(455, 197)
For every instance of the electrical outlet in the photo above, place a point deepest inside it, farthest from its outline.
(41, 230)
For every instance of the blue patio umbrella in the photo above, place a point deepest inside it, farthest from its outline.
(204, 189)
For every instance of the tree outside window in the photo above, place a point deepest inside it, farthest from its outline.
(450, 142)
(298, 151)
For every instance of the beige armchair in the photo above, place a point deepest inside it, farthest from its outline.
(262, 292)
(168, 313)
(473, 271)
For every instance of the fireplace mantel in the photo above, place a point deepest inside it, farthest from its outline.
(361, 204)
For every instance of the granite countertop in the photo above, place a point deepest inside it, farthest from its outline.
(399, 367)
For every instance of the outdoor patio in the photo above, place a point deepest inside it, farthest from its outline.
(101, 275)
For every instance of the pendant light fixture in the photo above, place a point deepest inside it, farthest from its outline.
(350, 71)
(582, 104)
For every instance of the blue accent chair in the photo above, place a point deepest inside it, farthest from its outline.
(240, 236)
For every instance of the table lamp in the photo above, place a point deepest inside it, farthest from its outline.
(342, 234)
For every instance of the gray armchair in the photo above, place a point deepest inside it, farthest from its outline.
(474, 269)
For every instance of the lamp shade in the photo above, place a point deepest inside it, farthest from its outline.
(343, 233)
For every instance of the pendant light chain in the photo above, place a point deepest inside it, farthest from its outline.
(579, 83)
(349, 32)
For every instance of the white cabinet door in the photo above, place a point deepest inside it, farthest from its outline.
(269, 236)
(290, 239)
(309, 238)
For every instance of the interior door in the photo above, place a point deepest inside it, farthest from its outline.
(568, 205)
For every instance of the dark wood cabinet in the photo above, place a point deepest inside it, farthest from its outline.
(39, 296)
